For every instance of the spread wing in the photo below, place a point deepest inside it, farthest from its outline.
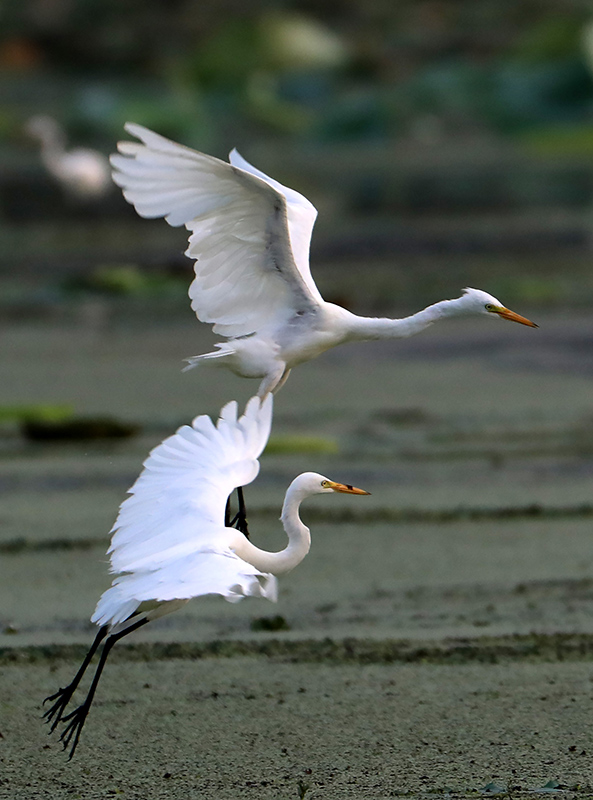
(301, 214)
(169, 537)
(249, 237)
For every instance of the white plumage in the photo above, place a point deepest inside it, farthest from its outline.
(250, 239)
(170, 541)
(239, 230)
(83, 173)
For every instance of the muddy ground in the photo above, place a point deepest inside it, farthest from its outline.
(437, 639)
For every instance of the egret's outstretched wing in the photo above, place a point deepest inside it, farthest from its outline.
(301, 215)
(200, 573)
(177, 503)
(250, 240)
(169, 537)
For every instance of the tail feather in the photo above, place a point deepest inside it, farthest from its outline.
(224, 350)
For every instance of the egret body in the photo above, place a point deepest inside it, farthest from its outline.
(250, 238)
(170, 542)
(82, 172)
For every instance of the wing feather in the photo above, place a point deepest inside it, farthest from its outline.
(249, 235)
(301, 215)
(176, 506)
(169, 540)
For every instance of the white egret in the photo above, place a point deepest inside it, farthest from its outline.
(171, 540)
(250, 240)
(82, 172)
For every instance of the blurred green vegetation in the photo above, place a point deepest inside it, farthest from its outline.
(74, 429)
(45, 412)
(385, 114)
(354, 71)
(128, 280)
(47, 422)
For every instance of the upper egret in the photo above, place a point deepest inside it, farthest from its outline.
(82, 172)
(170, 542)
(250, 240)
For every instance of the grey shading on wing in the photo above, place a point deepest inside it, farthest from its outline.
(301, 214)
(169, 539)
(246, 237)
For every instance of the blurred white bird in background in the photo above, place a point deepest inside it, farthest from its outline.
(171, 539)
(82, 172)
(250, 240)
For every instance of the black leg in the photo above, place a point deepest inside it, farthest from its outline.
(227, 513)
(77, 718)
(239, 521)
(62, 696)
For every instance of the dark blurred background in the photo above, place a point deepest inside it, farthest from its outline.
(445, 142)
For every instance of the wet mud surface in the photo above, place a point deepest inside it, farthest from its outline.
(439, 636)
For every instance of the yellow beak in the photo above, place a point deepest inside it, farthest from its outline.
(346, 488)
(505, 313)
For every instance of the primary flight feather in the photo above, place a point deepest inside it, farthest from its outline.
(250, 238)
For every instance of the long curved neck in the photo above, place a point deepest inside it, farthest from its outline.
(365, 328)
(299, 540)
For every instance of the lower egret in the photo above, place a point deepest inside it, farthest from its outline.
(170, 542)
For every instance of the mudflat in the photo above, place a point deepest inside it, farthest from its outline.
(436, 640)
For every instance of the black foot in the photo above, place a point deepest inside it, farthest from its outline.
(54, 714)
(73, 729)
(239, 521)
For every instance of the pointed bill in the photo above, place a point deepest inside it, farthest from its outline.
(506, 313)
(345, 488)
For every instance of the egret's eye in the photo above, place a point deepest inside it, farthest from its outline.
(325, 484)
(489, 307)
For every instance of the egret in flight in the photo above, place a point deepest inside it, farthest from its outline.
(83, 172)
(171, 540)
(250, 239)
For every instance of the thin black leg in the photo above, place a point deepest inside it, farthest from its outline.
(227, 513)
(239, 521)
(77, 718)
(63, 696)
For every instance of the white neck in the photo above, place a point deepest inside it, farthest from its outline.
(366, 328)
(299, 539)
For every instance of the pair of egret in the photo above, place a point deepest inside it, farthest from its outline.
(250, 241)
